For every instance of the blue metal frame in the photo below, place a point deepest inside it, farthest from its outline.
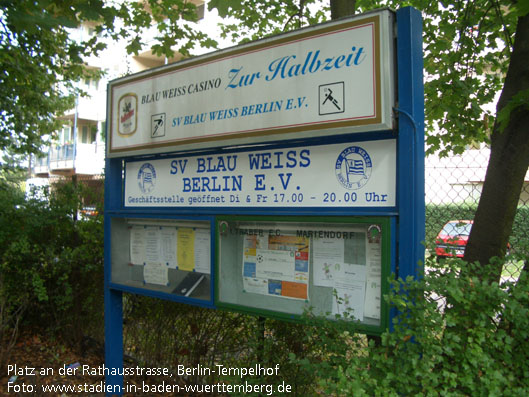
(410, 147)
(113, 298)
(407, 219)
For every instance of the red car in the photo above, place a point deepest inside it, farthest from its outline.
(452, 239)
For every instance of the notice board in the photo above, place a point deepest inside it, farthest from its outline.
(301, 156)
(169, 256)
(286, 267)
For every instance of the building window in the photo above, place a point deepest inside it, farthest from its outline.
(65, 135)
(91, 84)
(88, 133)
(84, 134)
(103, 131)
(92, 31)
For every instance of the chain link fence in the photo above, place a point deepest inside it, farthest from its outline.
(452, 192)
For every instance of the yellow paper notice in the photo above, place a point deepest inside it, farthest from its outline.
(186, 249)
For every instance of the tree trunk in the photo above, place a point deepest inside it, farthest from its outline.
(342, 8)
(509, 160)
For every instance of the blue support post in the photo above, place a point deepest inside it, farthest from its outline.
(410, 111)
(113, 338)
(113, 298)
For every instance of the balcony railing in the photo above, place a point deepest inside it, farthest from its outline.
(56, 154)
(86, 158)
(61, 153)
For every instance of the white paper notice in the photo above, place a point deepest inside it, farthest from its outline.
(350, 300)
(349, 274)
(374, 260)
(372, 303)
(156, 273)
(168, 246)
(202, 251)
(328, 253)
(275, 264)
(350, 287)
(152, 245)
(137, 245)
(373, 280)
(255, 285)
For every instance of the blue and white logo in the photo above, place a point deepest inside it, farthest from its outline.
(353, 168)
(147, 178)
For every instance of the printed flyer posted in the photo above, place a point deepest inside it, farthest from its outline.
(349, 262)
(187, 249)
(276, 266)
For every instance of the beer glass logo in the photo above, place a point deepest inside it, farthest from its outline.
(128, 114)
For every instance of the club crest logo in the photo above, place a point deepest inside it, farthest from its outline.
(127, 114)
(353, 168)
(146, 178)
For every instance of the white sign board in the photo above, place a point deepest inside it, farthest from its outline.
(335, 78)
(338, 175)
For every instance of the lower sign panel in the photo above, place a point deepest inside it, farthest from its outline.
(346, 175)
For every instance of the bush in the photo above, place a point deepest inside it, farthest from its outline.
(168, 334)
(455, 335)
(12, 304)
(51, 263)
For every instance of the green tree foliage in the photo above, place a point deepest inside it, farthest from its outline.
(40, 63)
(251, 20)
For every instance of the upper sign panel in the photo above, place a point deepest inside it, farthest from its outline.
(332, 79)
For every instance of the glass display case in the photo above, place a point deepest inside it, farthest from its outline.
(332, 267)
(162, 255)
